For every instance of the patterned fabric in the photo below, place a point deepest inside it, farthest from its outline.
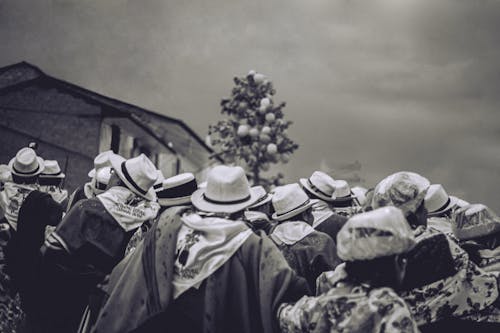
(467, 292)
(11, 199)
(349, 310)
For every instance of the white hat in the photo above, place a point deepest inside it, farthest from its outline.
(227, 191)
(289, 200)
(177, 190)
(264, 197)
(405, 190)
(473, 221)
(342, 191)
(378, 233)
(437, 201)
(320, 184)
(360, 193)
(100, 161)
(102, 178)
(138, 173)
(52, 169)
(26, 163)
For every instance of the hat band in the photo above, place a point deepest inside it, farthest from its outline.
(130, 180)
(443, 206)
(291, 210)
(51, 174)
(232, 202)
(178, 191)
(315, 188)
(26, 173)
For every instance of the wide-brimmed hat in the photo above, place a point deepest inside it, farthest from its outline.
(342, 191)
(227, 191)
(405, 190)
(319, 184)
(26, 163)
(264, 197)
(289, 201)
(52, 169)
(437, 201)
(100, 161)
(378, 233)
(474, 221)
(138, 173)
(177, 190)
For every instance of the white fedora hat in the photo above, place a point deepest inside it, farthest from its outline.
(437, 201)
(320, 184)
(138, 173)
(100, 161)
(227, 191)
(342, 191)
(264, 197)
(288, 201)
(52, 169)
(177, 190)
(26, 163)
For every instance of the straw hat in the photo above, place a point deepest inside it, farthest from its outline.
(138, 173)
(437, 201)
(475, 221)
(52, 170)
(342, 191)
(264, 197)
(378, 233)
(177, 190)
(319, 184)
(227, 191)
(100, 161)
(26, 163)
(288, 201)
(405, 190)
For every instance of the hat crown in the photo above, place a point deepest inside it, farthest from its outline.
(227, 184)
(435, 198)
(377, 233)
(51, 167)
(342, 188)
(323, 182)
(142, 171)
(103, 159)
(286, 198)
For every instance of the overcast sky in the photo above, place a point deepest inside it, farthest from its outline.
(394, 84)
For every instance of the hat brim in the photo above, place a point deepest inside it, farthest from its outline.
(174, 201)
(305, 184)
(259, 203)
(116, 162)
(60, 175)
(453, 202)
(293, 212)
(41, 166)
(200, 203)
(344, 199)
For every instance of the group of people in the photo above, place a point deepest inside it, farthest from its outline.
(133, 251)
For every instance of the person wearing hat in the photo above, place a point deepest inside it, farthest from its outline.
(206, 272)
(344, 202)
(171, 192)
(258, 215)
(452, 285)
(25, 168)
(99, 178)
(360, 296)
(309, 252)
(51, 181)
(92, 237)
(320, 188)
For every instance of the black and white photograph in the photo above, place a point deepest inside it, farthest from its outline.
(279, 166)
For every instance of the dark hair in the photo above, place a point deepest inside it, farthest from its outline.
(419, 217)
(378, 272)
(24, 180)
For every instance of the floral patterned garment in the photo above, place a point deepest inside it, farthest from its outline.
(470, 293)
(349, 310)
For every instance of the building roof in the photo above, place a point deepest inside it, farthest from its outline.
(172, 133)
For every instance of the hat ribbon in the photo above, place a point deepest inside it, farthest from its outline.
(131, 181)
(317, 189)
(178, 191)
(443, 206)
(232, 202)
